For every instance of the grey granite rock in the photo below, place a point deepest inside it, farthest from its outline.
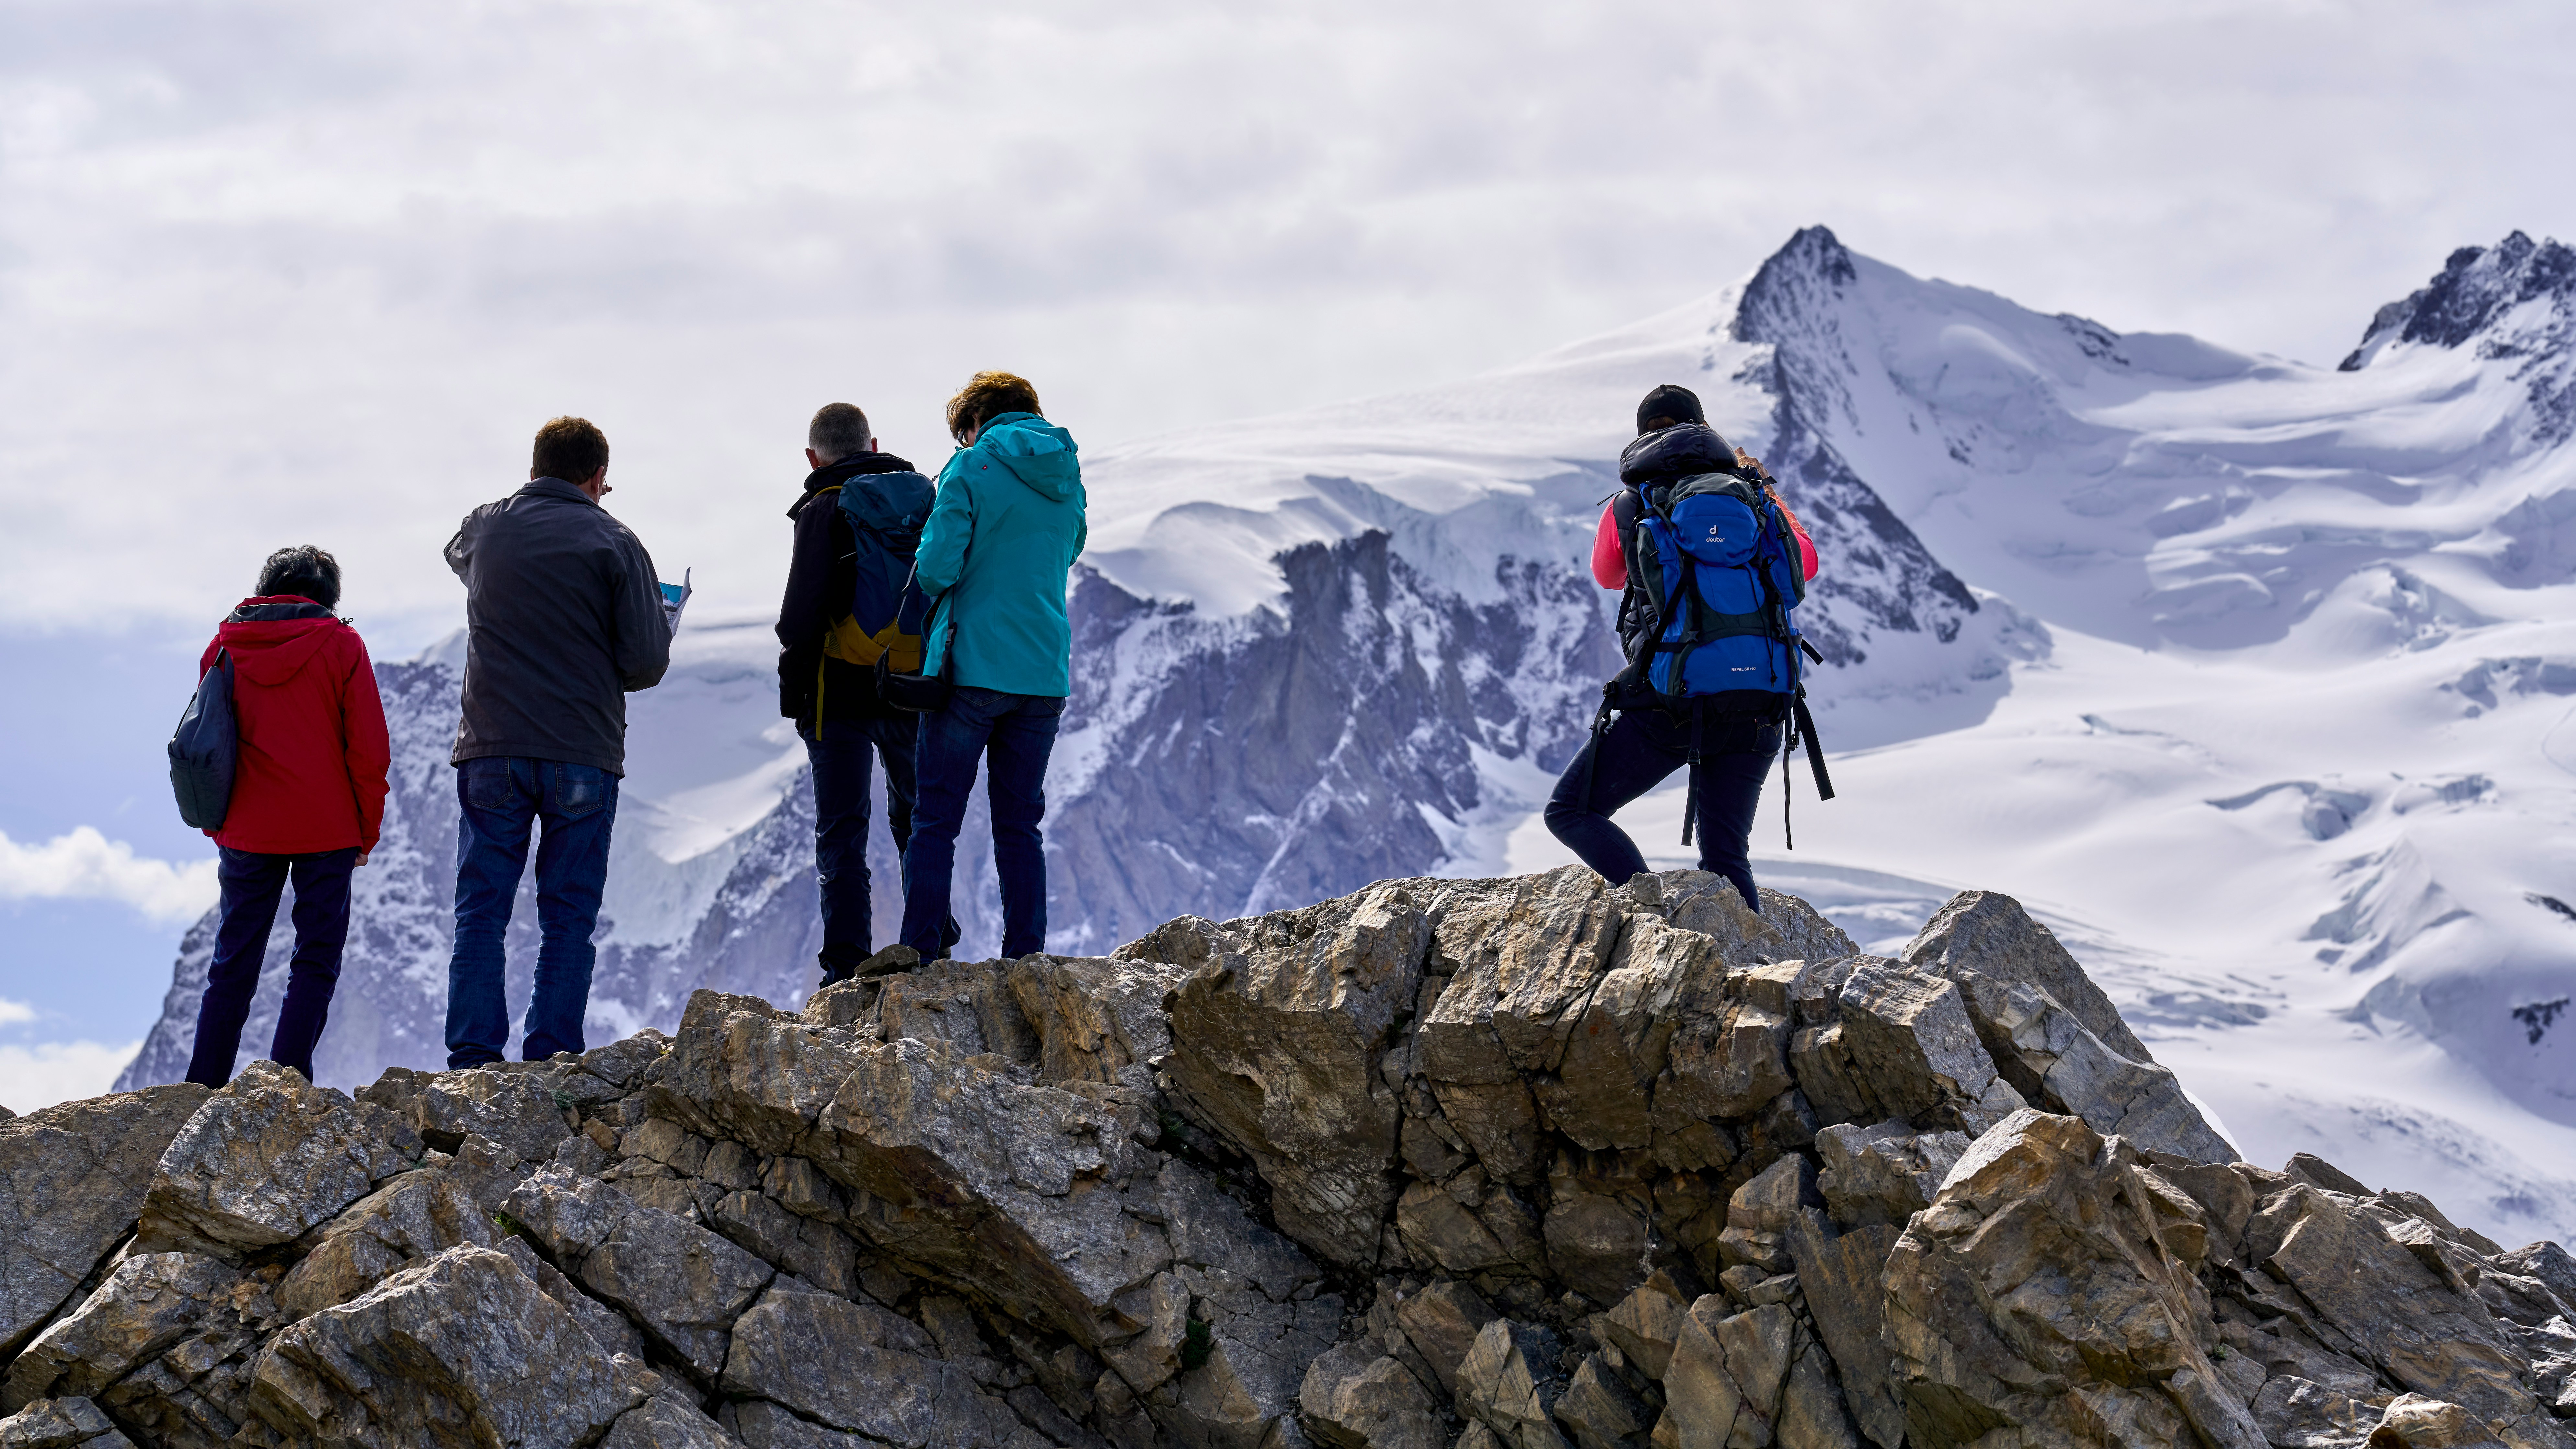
(1915, 1051)
(2062, 1066)
(1276, 1033)
(417, 1214)
(72, 1182)
(1355, 1397)
(2040, 1265)
(1601, 1412)
(1884, 1173)
(666, 1421)
(1510, 1384)
(61, 1424)
(463, 1348)
(1990, 934)
(1088, 1202)
(852, 1368)
(1442, 1322)
(151, 1302)
(268, 1159)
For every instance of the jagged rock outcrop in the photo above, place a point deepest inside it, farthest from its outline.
(1537, 1163)
(72, 1180)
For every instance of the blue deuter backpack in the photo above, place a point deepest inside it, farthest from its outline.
(1726, 586)
(1717, 602)
(205, 747)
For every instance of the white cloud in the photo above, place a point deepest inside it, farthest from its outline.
(15, 1013)
(85, 865)
(350, 256)
(58, 1071)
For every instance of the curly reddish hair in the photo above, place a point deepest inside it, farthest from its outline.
(988, 395)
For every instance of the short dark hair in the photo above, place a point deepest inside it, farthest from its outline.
(569, 448)
(838, 431)
(988, 395)
(304, 571)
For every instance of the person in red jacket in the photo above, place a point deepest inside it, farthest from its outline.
(308, 799)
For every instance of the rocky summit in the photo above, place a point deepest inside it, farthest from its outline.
(1505, 1164)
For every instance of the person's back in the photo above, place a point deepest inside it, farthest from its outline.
(564, 617)
(1000, 544)
(308, 799)
(1705, 620)
(1019, 492)
(859, 506)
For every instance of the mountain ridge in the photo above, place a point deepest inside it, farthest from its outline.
(2080, 588)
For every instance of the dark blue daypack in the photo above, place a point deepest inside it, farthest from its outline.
(1725, 584)
(205, 747)
(1714, 583)
(885, 512)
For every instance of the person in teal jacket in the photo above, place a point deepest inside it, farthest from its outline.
(1002, 537)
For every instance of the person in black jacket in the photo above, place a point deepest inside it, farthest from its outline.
(1725, 739)
(833, 698)
(564, 619)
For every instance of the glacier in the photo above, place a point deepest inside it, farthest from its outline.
(2251, 677)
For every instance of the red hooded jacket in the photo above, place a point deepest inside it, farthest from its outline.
(311, 775)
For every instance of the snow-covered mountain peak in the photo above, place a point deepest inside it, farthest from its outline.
(2516, 301)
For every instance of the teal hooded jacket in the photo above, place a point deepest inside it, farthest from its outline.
(1001, 539)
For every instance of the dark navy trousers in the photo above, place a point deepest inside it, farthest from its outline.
(1639, 751)
(252, 884)
(1013, 734)
(840, 753)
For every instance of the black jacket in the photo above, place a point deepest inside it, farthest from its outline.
(1685, 450)
(820, 580)
(563, 614)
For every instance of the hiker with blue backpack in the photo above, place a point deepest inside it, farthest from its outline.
(997, 654)
(1711, 567)
(281, 757)
(857, 523)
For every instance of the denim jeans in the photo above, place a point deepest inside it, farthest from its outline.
(501, 799)
(839, 753)
(1013, 734)
(251, 885)
(1639, 751)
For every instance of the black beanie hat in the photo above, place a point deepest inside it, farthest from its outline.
(1670, 400)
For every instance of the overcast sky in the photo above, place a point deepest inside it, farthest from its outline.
(285, 269)
(281, 271)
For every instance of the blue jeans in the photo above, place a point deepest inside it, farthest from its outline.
(1639, 751)
(251, 885)
(1013, 734)
(839, 753)
(501, 799)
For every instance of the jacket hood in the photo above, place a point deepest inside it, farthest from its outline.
(857, 465)
(271, 638)
(1680, 451)
(1036, 451)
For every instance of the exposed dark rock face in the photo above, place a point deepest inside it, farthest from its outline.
(2481, 297)
(1528, 1162)
(1883, 579)
(1291, 756)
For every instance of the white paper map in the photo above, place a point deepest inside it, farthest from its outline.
(675, 597)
